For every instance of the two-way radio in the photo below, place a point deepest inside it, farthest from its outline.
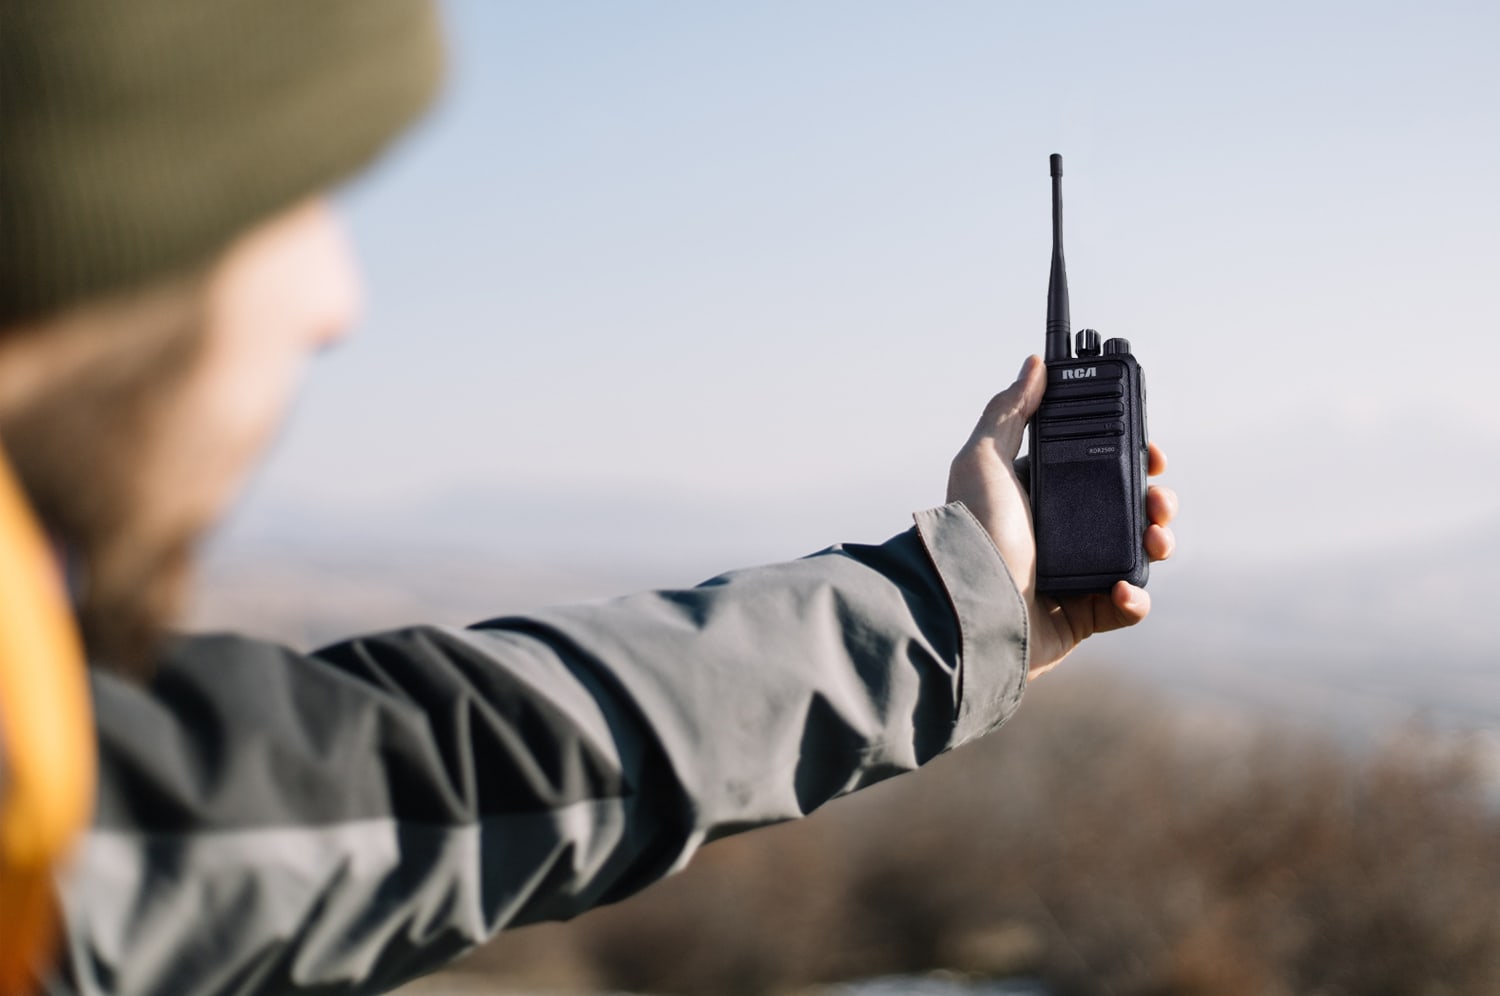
(1088, 449)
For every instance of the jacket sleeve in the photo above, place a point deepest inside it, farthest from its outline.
(346, 820)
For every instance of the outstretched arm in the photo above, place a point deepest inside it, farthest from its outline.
(345, 820)
(342, 821)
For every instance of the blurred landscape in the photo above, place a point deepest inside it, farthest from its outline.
(1288, 781)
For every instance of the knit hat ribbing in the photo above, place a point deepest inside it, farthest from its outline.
(139, 138)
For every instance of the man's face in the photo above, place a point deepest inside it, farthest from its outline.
(281, 293)
(134, 423)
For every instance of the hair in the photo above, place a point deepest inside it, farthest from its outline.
(78, 425)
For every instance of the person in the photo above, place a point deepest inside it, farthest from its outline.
(217, 814)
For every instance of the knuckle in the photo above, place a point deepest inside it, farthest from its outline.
(1002, 405)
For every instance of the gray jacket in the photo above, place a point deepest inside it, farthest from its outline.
(342, 821)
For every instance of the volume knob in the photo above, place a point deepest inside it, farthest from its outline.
(1115, 347)
(1088, 342)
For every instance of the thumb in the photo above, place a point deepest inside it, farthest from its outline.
(1005, 417)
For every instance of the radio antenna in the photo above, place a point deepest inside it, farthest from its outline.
(1059, 330)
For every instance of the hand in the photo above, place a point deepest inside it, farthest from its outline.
(983, 477)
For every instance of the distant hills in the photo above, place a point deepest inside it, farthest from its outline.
(1356, 643)
(1376, 636)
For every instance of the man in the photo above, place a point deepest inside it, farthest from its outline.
(267, 821)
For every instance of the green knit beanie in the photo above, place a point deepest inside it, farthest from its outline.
(140, 137)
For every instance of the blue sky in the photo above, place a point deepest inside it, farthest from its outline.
(746, 273)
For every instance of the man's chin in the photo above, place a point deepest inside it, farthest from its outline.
(130, 598)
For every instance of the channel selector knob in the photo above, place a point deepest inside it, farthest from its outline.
(1114, 347)
(1088, 342)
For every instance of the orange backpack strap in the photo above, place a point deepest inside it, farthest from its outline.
(47, 754)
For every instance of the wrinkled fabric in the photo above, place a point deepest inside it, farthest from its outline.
(345, 820)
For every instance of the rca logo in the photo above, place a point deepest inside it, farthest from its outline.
(1080, 374)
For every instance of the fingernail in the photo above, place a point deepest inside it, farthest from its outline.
(1026, 366)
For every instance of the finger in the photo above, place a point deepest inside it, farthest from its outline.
(1161, 504)
(1130, 604)
(1125, 605)
(1160, 542)
(1157, 462)
(1005, 417)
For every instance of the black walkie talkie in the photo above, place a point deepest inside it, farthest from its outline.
(1088, 450)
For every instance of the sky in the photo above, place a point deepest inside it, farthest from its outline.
(735, 280)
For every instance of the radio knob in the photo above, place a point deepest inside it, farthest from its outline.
(1115, 347)
(1088, 342)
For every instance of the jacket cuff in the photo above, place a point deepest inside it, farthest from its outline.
(992, 618)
